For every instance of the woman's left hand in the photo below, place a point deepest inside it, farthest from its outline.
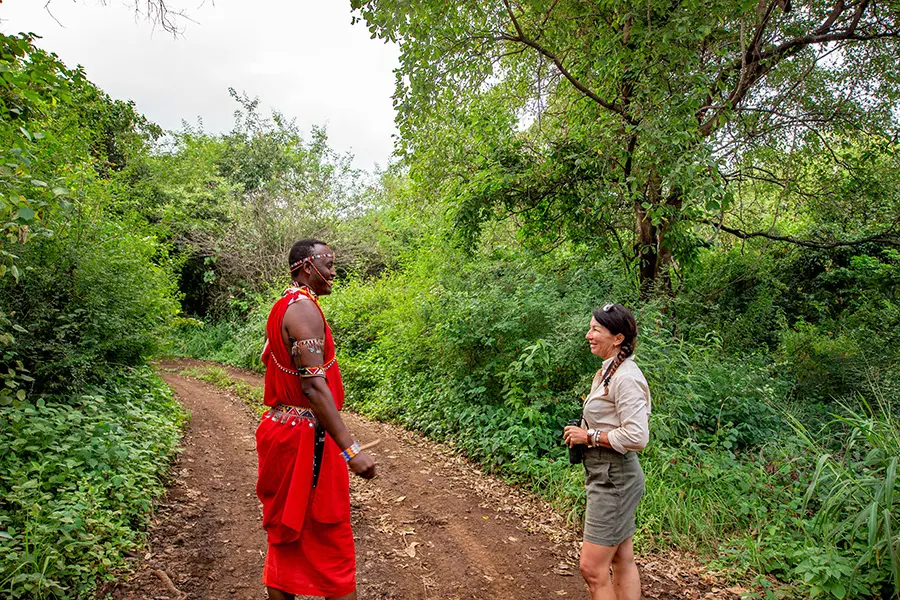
(575, 435)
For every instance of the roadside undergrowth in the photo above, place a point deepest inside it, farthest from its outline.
(78, 478)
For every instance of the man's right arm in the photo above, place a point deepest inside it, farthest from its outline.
(305, 325)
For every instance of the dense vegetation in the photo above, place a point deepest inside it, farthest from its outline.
(764, 266)
(85, 286)
(746, 208)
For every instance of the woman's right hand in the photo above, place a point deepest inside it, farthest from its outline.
(573, 435)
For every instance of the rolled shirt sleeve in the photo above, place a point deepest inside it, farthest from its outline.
(632, 398)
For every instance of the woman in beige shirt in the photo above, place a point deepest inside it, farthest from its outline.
(616, 413)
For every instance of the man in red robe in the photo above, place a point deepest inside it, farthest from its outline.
(304, 448)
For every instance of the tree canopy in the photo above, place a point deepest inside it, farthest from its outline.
(643, 127)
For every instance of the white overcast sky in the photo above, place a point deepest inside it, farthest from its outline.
(301, 57)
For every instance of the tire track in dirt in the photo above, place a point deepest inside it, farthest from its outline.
(429, 526)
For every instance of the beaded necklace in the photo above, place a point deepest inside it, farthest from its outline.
(303, 289)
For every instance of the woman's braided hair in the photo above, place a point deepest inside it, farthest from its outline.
(617, 319)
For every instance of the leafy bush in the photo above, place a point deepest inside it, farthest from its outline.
(77, 322)
(78, 476)
(235, 343)
(86, 288)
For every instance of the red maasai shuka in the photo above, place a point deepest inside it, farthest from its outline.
(311, 550)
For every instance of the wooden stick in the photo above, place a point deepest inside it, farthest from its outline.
(371, 444)
(167, 583)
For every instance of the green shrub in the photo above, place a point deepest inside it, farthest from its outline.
(235, 343)
(78, 475)
(78, 321)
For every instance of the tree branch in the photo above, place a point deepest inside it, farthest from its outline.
(521, 38)
(751, 67)
(887, 238)
(155, 11)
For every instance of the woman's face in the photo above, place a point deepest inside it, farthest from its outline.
(603, 343)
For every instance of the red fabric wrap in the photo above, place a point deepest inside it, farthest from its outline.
(311, 548)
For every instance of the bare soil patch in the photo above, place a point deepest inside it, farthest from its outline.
(430, 525)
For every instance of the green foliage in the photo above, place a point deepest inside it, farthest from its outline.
(81, 321)
(582, 120)
(77, 477)
(233, 204)
(95, 288)
(856, 496)
(235, 343)
(31, 83)
(85, 438)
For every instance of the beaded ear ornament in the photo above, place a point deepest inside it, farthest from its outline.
(294, 266)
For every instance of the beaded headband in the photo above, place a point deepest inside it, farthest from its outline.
(297, 264)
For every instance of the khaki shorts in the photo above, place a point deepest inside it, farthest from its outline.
(614, 484)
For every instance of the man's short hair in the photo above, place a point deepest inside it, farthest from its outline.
(303, 249)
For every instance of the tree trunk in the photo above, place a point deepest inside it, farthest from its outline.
(666, 261)
(646, 243)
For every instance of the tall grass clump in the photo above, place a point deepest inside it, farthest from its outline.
(237, 341)
(853, 496)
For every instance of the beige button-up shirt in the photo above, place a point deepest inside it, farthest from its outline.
(624, 412)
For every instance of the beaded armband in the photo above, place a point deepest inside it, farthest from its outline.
(318, 371)
(313, 346)
(351, 452)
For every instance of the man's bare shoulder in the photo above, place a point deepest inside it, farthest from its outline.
(304, 316)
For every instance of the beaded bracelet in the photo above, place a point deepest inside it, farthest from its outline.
(351, 452)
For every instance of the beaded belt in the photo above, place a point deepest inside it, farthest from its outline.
(285, 412)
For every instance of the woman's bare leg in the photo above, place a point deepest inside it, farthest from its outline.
(626, 579)
(595, 563)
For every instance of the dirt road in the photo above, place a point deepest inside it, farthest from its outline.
(429, 526)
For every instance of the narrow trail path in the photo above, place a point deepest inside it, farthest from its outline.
(429, 526)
